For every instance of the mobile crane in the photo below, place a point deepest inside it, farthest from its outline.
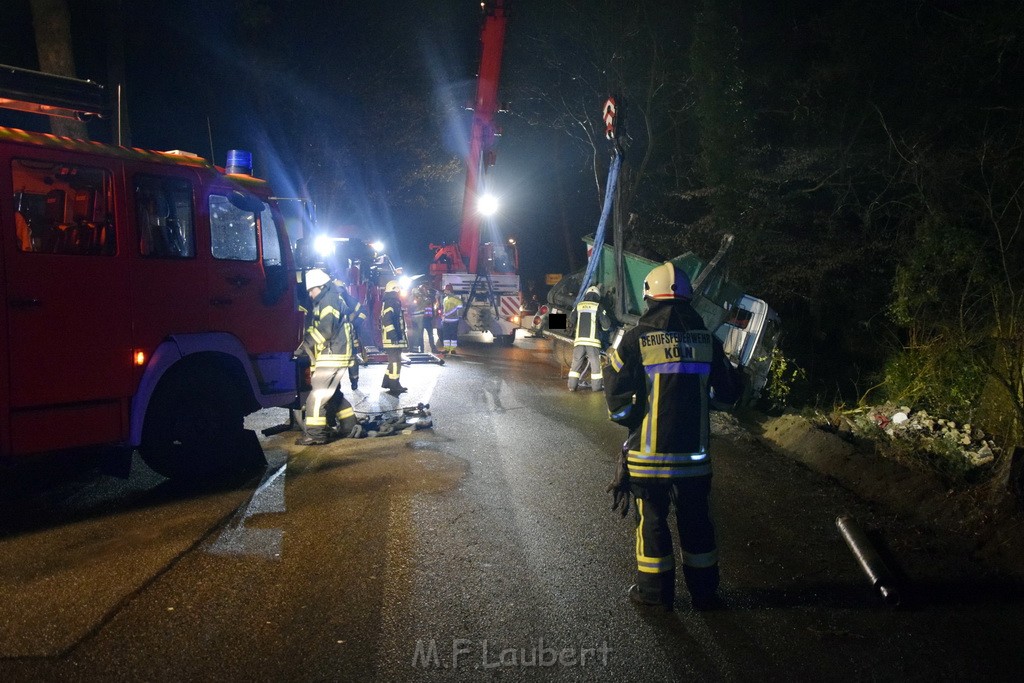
(484, 275)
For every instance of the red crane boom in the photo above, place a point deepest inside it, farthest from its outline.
(483, 132)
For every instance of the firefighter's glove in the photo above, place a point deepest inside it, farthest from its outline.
(619, 486)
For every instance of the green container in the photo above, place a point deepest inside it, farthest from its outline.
(636, 269)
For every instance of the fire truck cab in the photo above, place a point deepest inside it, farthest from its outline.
(147, 302)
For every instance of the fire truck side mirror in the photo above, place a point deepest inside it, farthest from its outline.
(303, 254)
(245, 202)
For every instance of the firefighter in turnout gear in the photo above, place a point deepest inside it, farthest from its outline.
(330, 344)
(393, 337)
(661, 381)
(451, 314)
(589, 320)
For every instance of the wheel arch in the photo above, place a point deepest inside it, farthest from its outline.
(194, 353)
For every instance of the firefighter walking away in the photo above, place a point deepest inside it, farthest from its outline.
(589, 320)
(661, 381)
(393, 337)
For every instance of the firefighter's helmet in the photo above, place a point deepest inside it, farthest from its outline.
(667, 283)
(593, 289)
(391, 286)
(316, 278)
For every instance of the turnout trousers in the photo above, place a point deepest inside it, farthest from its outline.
(450, 335)
(394, 369)
(324, 398)
(655, 560)
(416, 333)
(581, 356)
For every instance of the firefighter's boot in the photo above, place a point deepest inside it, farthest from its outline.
(702, 583)
(654, 590)
(315, 437)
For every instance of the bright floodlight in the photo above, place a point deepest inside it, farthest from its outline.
(324, 245)
(378, 246)
(487, 204)
(405, 282)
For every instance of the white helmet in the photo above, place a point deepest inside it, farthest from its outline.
(391, 286)
(316, 278)
(667, 283)
(593, 289)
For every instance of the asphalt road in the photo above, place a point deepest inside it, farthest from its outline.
(481, 548)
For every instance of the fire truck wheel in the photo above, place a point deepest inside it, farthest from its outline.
(193, 426)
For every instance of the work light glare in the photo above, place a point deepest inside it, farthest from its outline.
(487, 204)
(324, 245)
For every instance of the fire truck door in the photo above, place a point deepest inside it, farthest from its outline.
(68, 320)
(243, 301)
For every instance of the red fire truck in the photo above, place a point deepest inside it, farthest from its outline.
(148, 302)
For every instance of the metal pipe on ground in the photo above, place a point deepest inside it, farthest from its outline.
(869, 559)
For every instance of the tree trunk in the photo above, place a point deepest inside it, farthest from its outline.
(52, 24)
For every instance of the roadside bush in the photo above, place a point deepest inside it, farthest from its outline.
(787, 383)
(942, 377)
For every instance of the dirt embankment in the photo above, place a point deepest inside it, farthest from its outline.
(991, 525)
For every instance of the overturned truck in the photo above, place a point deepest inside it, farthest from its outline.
(747, 327)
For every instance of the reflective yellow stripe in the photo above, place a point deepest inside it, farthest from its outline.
(653, 411)
(655, 565)
(639, 527)
(316, 421)
(329, 310)
(615, 361)
(317, 336)
(638, 472)
(346, 412)
(649, 459)
(573, 374)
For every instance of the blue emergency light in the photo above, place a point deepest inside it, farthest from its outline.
(239, 161)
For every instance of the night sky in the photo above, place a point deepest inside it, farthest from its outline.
(310, 89)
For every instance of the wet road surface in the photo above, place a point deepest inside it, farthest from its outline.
(481, 548)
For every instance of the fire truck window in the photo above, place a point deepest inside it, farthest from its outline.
(232, 230)
(63, 208)
(271, 241)
(163, 217)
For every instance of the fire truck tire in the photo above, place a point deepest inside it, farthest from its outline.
(194, 425)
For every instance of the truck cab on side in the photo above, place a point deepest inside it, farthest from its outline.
(147, 302)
